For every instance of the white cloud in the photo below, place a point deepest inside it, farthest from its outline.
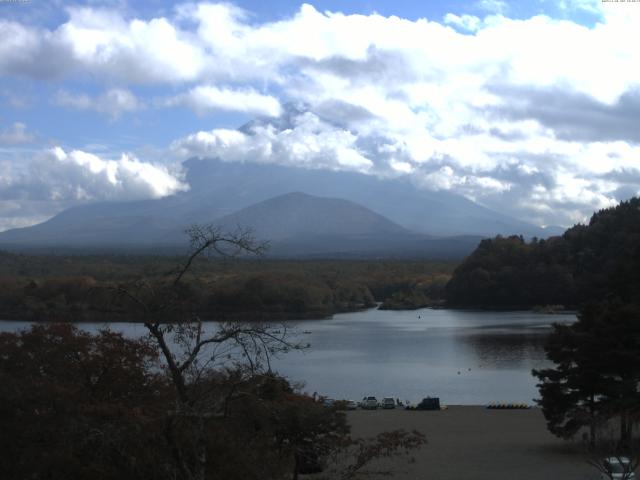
(523, 163)
(308, 142)
(71, 176)
(207, 98)
(468, 108)
(86, 176)
(208, 42)
(114, 102)
(465, 22)
(17, 134)
(104, 43)
(35, 185)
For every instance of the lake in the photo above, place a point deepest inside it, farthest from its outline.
(464, 357)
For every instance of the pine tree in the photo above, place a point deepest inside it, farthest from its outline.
(597, 372)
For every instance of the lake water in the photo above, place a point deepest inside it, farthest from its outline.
(463, 357)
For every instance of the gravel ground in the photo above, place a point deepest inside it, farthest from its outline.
(476, 443)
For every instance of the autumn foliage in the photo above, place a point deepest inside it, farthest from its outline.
(100, 407)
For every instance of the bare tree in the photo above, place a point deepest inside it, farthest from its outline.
(190, 348)
(214, 365)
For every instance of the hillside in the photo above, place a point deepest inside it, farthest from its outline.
(219, 189)
(297, 214)
(588, 263)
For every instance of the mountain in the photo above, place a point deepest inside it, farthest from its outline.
(399, 199)
(219, 189)
(297, 224)
(298, 214)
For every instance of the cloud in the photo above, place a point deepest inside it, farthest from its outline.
(213, 43)
(590, 6)
(525, 115)
(512, 166)
(17, 134)
(205, 98)
(77, 176)
(22, 213)
(303, 138)
(35, 185)
(101, 42)
(308, 142)
(113, 102)
(464, 22)
(573, 116)
(493, 6)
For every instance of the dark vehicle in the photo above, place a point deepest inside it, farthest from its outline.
(388, 402)
(429, 403)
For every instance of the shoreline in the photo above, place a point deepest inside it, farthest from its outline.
(296, 317)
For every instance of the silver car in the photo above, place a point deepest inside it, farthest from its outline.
(369, 403)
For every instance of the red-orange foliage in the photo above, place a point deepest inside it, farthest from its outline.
(75, 405)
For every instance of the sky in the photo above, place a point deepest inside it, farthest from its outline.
(529, 108)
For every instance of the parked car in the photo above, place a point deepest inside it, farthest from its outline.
(369, 403)
(429, 403)
(388, 402)
(328, 402)
(352, 405)
(618, 468)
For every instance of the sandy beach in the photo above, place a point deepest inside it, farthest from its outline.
(467, 442)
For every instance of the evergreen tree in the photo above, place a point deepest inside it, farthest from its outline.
(596, 373)
(570, 392)
(598, 260)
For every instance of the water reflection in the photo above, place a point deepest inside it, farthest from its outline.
(507, 350)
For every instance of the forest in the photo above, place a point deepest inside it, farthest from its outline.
(81, 287)
(598, 260)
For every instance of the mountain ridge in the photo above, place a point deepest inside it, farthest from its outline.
(220, 190)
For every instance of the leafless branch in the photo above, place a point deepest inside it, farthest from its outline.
(210, 237)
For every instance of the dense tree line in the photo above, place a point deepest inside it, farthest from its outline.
(598, 260)
(77, 288)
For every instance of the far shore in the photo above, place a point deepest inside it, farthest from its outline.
(275, 317)
(473, 442)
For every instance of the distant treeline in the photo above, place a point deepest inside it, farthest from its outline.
(589, 262)
(85, 288)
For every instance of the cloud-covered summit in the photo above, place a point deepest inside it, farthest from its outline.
(534, 115)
